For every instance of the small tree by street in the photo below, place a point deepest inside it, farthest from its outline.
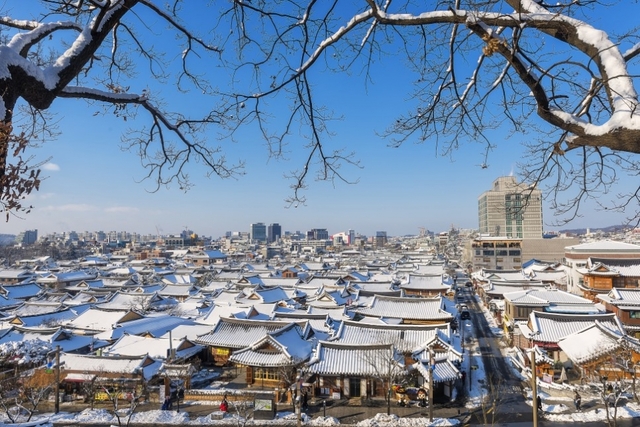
(386, 365)
(125, 410)
(490, 400)
(20, 396)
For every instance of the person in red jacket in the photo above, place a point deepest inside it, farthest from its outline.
(224, 405)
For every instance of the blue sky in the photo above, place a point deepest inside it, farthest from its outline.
(92, 185)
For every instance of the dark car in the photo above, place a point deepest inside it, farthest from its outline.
(465, 315)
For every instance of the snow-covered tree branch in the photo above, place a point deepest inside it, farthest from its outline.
(543, 75)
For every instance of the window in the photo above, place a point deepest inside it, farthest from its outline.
(488, 253)
(634, 314)
(265, 374)
(514, 253)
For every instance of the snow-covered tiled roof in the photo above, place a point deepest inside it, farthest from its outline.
(99, 320)
(552, 327)
(156, 348)
(239, 333)
(427, 309)
(406, 338)
(354, 360)
(155, 325)
(623, 298)
(589, 344)
(177, 290)
(285, 347)
(56, 336)
(622, 267)
(604, 246)
(22, 291)
(14, 273)
(49, 319)
(444, 371)
(543, 297)
(38, 307)
(430, 283)
(428, 270)
(109, 364)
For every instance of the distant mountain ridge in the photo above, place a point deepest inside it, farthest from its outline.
(609, 229)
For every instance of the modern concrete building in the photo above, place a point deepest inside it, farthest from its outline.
(504, 253)
(511, 209)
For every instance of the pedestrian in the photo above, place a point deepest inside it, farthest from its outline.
(539, 403)
(224, 405)
(167, 402)
(305, 401)
(577, 400)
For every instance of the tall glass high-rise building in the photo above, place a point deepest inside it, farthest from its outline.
(258, 232)
(274, 232)
(511, 209)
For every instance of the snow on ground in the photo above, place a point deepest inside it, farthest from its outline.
(384, 420)
(156, 416)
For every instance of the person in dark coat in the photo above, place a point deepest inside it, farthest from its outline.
(539, 403)
(577, 400)
(166, 403)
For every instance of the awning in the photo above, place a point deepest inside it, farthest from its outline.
(79, 378)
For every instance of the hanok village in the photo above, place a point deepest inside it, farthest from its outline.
(356, 326)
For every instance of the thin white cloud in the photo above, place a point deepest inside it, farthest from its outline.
(122, 209)
(45, 196)
(70, 208)
(51, 167)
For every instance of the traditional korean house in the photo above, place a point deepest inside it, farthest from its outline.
(438, 361)
(600, 276)
(67, 340)
(176, 350)
(424, 286)
(520, 304)
(339, 370)
(229, 335)
(13, 276)
(405, 337)
(273, 360)
(121, 375)
(625, 303)
(547, 329)
(406, 310)
(597, 351)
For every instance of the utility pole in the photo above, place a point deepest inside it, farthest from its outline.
(298, 399)
(57, 380)
(534, 387)
(432, 365)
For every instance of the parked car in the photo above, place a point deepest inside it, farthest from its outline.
(465, 315)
